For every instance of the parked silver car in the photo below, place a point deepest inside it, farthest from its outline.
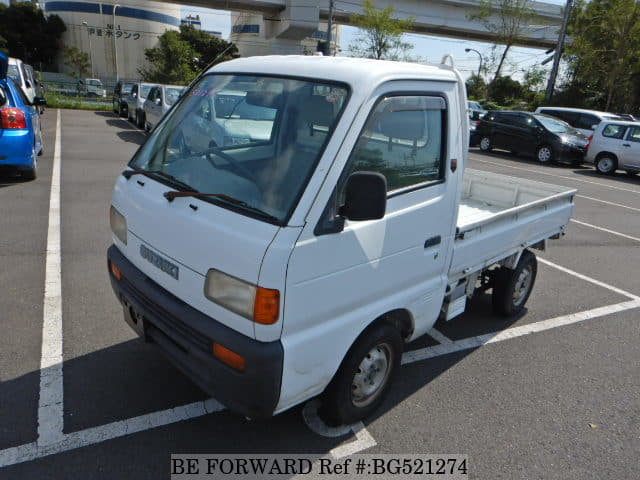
(615, 145)
(135, 102)
(160, 99)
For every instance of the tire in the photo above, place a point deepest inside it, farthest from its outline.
(485, 144)
(140, 120)
(121, 111)
(511, 288)
(31, 173)
(606, 164)
(544, 154)
(631, 173)
(364, 377)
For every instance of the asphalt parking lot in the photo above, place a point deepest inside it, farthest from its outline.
(552, 394)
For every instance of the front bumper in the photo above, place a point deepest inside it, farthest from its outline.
(185, 336)
(570, 154)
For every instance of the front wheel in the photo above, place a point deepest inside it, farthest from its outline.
(485, 144)
(365, 375)
(606, 164)
(511, 288)
(544, 154)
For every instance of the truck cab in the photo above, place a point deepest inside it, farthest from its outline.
(281, 236)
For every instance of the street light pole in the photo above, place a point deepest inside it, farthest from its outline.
(479, 54)
(115, 45)
(90, 46)
(329, 29)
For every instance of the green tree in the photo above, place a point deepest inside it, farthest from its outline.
(77, 61)
(181, 55)
(506, 20)
(506, 90)
(29, 35)
(604, 55)
(380, 34)
(210, 50)
(476, 87)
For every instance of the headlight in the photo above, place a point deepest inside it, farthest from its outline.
(118, 224)
(230, 292)
(568, 141)
(261, 305)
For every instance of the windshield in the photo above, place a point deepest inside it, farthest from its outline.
(475, 105)
(126, 89)
(144, 89)
(256, 139)
(554, 125)
(173, 94)
(14, 74)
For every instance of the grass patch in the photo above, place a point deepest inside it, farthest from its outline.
(55, 100)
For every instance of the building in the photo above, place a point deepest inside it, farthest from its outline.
(115, 36)
(255, 36)
(194, 20)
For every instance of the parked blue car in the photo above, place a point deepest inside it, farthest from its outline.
(20, 132)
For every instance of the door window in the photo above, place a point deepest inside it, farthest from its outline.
(404, 140)
(614, 131)
(634, 134)
(586, 121)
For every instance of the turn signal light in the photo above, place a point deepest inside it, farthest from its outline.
(267, 306)
(229, 357)
(116, 271)
(12, 118)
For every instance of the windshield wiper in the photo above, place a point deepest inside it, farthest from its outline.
(173, 194)
(130, 173)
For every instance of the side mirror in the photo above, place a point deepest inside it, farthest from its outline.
(27, 83)
(593, 127)
(134, 95)
(365, 196)
(157, 101)
(39, 101)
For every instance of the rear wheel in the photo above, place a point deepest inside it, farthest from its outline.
(32, 172)
(606, 164)
(511, 288)
(364, 377)
(544, 154)
(631, 173)
(485, 144)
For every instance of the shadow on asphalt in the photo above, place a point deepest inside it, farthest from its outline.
(621, 177)
(133, 136)
(10, 181)
(105, 114)
(121, 123)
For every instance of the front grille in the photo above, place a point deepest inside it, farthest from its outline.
(170, 325)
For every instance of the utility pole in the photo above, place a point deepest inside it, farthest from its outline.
(559, 48)
(327, 47)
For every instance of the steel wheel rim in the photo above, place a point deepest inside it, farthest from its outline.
(372, 375)
(544, 154)
(606, 164)
(485, 143)
(522, 285)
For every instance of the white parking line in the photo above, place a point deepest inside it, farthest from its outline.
(50, 408)
(590, 280)
(515, 332)
(612, 232)
(536, 171)
(439, 337)
(610, 203)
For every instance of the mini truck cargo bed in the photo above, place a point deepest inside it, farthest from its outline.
(500, 215)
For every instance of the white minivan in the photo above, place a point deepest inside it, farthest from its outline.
(581, 119)
(293, 221)
(158, 102)
(22, 77)
(615, 145)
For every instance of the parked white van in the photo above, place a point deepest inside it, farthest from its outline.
(615, 145)
(583, 120)
(298, 263)
(22, 77)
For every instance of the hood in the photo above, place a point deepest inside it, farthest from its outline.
(4, 65)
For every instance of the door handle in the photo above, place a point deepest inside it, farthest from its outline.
(432, 242)
(626, 145)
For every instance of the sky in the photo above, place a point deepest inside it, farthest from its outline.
(427, 47)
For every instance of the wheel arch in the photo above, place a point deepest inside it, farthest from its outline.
(605, 153)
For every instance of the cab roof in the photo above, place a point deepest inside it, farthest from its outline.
(357, 72)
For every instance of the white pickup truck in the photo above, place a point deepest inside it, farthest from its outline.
(289, 243)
